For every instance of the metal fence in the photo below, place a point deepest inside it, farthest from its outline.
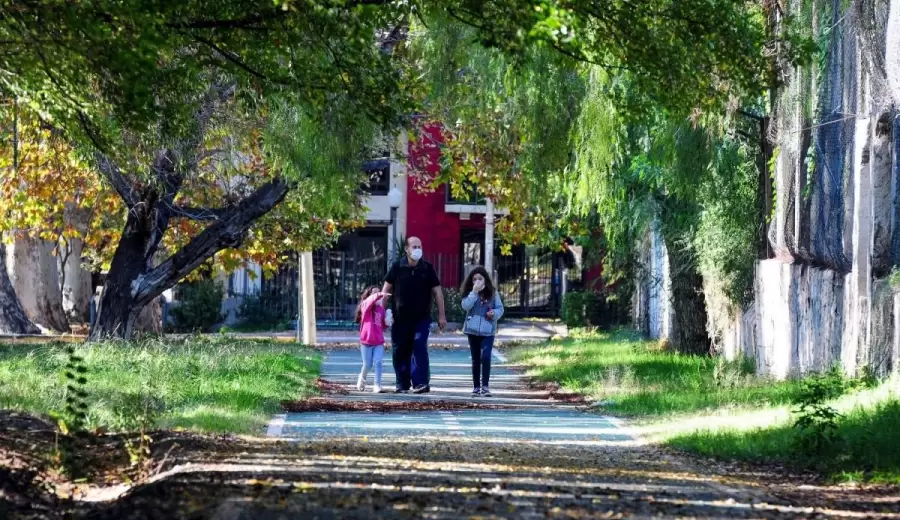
(530, 285)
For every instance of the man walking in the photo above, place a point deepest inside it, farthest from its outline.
(412, 282)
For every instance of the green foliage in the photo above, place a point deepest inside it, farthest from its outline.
(72, 421)
(726, 237)
(200, 307)
(816, 420)
(125, 65)
(399, 249)
(894, 279)
(266, 310)
(212, 384)
(677, 54)
(639, 378)
(452, 306)
(504, 122)
(578, 308)
(854, 443)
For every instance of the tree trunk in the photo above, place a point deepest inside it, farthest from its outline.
(76, 282)
(690, 335)
(118, 308)
(133, 282)
(35, 277)
(149, 320)
(12, 317)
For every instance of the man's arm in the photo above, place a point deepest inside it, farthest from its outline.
(439, 298)
(388, 286)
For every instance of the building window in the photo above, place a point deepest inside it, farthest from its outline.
(378, 177)
(471, 198)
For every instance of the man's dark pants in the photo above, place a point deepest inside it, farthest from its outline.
(410, 353)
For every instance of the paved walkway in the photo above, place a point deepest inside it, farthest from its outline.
(526, 414)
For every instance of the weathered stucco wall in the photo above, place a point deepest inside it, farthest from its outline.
(824, 298)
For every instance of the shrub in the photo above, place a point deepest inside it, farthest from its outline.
(579, 308)
(200, 307)
(452, 306)
(267, 310)
(816, 421)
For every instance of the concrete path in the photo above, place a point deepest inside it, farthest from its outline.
(526, 414)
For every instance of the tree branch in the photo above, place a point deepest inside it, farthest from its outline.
(200, 214)
(227, 231)
(248, 22)
(749, 114)
(116, 178)
(232, 58)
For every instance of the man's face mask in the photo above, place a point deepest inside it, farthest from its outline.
(416, 254)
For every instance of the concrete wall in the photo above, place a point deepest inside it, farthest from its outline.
(824, 298)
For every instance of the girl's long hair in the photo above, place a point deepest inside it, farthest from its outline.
(488, 292)
(362, 297)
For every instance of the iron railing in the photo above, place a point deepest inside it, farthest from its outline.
(530, 285)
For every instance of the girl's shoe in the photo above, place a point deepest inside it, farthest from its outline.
(378, 389)
(476, 392)
(486, 392)
(361, 384)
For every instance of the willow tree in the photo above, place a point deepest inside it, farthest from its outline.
(141, 85)
(503, 121)
(509, 101)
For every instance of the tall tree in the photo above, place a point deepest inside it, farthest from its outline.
(143, 84)
(145, 87)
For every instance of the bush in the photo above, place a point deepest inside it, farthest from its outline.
(452, 306)
(200, 307)
(267, 310)
(579, 308)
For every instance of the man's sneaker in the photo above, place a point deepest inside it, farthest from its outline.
(401, 391)
(421, 389)
(361, 383)
(377, 389)
(486, 392)
(476, 392)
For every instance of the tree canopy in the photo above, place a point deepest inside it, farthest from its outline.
(202, 116)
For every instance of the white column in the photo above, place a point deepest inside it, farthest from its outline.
(489, 237)
(309, 298)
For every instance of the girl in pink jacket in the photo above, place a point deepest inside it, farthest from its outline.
(373, 319)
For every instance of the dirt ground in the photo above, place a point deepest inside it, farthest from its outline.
(193, 476)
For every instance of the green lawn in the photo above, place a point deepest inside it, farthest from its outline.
(720, 409)
(637, 378)
(204, 384)
(864, 447)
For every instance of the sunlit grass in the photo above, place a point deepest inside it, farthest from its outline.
(865, 446)
(637, 378)
(203, 384)
(720, 409)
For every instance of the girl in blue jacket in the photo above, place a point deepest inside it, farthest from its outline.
(483, 309)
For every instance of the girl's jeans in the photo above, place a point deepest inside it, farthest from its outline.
(372, 356)
(480, 348)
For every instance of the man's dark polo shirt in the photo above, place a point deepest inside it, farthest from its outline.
(412, 287)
